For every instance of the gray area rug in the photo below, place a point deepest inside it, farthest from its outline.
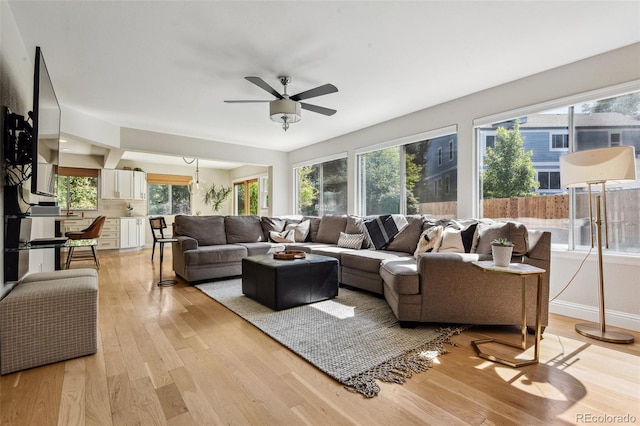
(354, 338)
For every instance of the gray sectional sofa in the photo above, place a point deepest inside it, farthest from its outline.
(442, 286)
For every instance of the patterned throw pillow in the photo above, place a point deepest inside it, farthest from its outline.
(301, 230)
(382, 229)
(282, 237)
(429, 241)
(352, 241)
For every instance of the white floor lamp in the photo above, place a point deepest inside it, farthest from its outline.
(601, 166)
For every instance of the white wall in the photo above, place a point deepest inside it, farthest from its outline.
(618, 67)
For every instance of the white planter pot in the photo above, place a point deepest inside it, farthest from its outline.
(501, 255)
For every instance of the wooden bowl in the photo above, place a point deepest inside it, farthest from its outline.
(289, 255)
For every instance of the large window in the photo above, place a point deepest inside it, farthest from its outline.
(321, 188)
(520, 171)
(410, 178)
(168, 194)
(77, 189)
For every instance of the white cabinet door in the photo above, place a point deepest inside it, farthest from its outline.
(117, 184)
(132, 232)
(139, 185)
(141, 231)
(109, 184)
(128, 232)
(125, 184)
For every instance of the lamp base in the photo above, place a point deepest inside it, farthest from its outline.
(593, 331)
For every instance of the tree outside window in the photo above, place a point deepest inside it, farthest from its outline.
(322, 188)
(77, 189)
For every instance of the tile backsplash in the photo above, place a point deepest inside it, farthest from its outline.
(118, 208)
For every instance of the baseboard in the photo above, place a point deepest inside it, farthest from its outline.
(590, 313)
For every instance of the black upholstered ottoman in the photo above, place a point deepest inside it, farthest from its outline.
(282, 284)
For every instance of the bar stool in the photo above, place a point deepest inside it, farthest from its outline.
(92, 232)
(158, 225)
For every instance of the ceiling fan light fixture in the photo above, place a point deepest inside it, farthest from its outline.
(284, 111)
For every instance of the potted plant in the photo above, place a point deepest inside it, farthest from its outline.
(216, 195)
(501, 250)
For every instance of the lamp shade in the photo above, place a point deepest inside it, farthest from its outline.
(612, 165)
(281, 108)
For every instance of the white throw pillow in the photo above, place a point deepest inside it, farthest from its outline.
(352, 241)
(301, 230)
(282, 237)
(429, 240)
(451, 241)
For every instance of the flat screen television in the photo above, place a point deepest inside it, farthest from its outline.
(46, 131)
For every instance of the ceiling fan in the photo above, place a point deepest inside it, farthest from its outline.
(286, 109)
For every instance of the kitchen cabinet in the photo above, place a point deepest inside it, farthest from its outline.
(117, 184)
(139, 185)
(132, 232)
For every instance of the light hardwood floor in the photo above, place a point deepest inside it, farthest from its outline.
(174, 356)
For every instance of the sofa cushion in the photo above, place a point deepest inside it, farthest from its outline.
(429, 240)
(208, 255)
(355, 225)
(368, 260)
(269, 224)
(353, 241)
(407, 239)
(300, 230)
(401, 275)
(207, 230)
(330, 228)
(382, 229)
(313, 227)
(512, 231)
(243, 229)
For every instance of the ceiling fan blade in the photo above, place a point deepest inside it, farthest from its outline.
(312, 93)
(318, 109)
(264, 86)
(245, 102)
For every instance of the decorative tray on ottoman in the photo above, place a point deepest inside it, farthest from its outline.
(289, 255)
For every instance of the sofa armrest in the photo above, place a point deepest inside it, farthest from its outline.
(186, 243)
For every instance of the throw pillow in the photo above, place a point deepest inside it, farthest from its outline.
(382, 229)
(429, 241)
(301, 230)
(468, 235)
(352, 241)
(451, 241)
(282, 237)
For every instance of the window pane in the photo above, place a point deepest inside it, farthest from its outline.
(518, 172)
(77, 193)
(380, 181)
(180, 199)
(253, 197)
(600, 124)
(240, 198)
(159, 199)
(334, 187)
(62, 191)
(431, 184)
(322, 188)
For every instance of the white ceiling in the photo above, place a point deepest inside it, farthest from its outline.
(167, 66)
